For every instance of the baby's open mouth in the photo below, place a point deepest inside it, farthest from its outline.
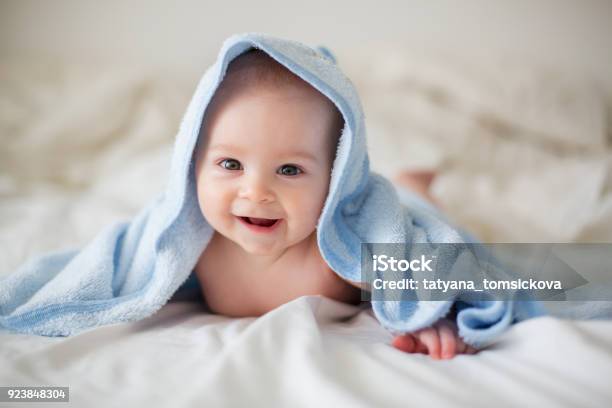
(261, 222)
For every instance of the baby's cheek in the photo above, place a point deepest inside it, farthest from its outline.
(318, 193)
(305, 214)
(212, 203)
(317, 204)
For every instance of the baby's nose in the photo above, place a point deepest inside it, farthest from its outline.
(256, 189)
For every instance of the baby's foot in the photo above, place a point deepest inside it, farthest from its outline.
(417, 181)
(440, 341)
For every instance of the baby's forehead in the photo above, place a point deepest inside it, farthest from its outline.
(235, 91)
(288, 111)
(280, 145)
(256, 73)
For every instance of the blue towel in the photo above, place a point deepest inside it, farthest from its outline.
(131, 269)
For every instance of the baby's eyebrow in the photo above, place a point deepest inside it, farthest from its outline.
(303, 155)
(226, 147)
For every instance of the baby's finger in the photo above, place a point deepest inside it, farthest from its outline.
(431, 339)
(406, 343)
(464, 348)
(448, 341)
(421, 348)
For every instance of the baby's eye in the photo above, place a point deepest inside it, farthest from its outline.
(231, 164)
(289, 170)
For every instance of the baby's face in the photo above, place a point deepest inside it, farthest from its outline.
(264, 172)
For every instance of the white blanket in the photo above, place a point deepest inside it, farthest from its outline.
(310, 352)
(529, 147)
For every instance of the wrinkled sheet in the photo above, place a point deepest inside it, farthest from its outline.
(522, 154)
(310, 352)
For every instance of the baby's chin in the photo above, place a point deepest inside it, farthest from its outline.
(259, 250)
(268, 245)
(265, 246)
(270, 248)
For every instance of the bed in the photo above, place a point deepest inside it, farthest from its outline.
(523, 154)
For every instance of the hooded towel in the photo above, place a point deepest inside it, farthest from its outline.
(131, 269)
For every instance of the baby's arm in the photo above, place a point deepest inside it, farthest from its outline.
(440, 341)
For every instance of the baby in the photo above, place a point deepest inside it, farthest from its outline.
(263, 166)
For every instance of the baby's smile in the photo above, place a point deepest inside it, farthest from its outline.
(260, 225)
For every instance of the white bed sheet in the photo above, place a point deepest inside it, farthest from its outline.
(310, 352)
(522, 156)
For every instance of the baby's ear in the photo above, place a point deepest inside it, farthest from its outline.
(326, 53)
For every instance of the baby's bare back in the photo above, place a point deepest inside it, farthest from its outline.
(235, 283)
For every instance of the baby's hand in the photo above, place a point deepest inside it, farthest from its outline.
(440, 341)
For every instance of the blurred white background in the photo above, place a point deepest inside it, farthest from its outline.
(184, 35)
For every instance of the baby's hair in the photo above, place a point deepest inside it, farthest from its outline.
(254, 69)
